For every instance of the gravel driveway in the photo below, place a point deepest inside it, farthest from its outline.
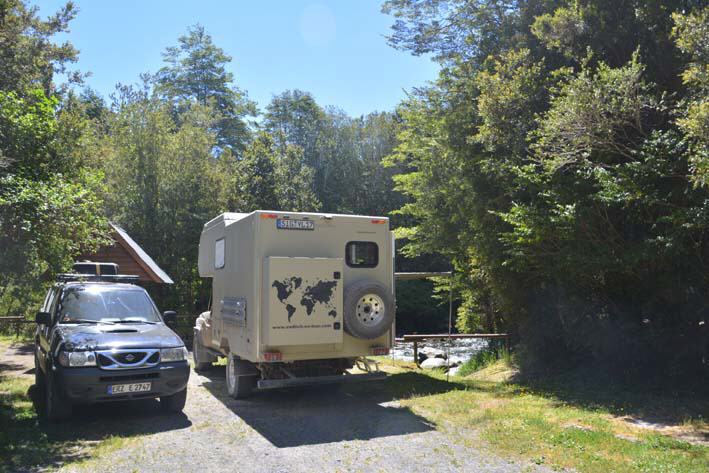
(318, 429)
(345, 428)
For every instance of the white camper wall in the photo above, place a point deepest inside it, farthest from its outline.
(249, 240)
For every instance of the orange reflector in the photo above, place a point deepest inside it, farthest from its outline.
(269, 216)
(273, 356)
(379, 351)
(379, 220)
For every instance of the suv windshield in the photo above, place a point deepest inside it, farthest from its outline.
(86, 304)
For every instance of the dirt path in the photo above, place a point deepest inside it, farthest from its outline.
(16, 359)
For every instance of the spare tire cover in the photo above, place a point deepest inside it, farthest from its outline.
(369, 309)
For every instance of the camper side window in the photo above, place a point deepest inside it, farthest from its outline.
(362, 254)
(219, 254)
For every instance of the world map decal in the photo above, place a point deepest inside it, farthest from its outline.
(294, 291)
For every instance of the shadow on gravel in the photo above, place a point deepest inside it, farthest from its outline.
(28, 443)
(324, 414)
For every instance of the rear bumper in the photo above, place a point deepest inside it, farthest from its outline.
(86, 385)
(317, 380)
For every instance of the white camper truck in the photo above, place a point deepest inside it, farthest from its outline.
(297, 298)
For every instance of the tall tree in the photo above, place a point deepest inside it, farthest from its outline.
(166, 183)
(552, 162)
(29, 58)
(50, 199)
(195, 70)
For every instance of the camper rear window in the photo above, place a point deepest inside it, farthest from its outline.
(362, 254)
(219, 254)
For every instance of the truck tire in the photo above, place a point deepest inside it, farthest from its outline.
(56, 407)
(369, 310)
(174, 403)
(241, 377)
(202, 358)
(39, 379)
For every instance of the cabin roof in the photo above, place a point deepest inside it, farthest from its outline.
(130, 257)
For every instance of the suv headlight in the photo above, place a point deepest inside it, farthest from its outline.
(71, 359)
(173, 354)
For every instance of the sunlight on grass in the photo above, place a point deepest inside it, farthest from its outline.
(28, 443)
(542, 429)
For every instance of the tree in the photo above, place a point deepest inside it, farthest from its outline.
(166, 183)
(50, 207)
(276, 179)
(50, 198)
(29, 58)
(258, 175)
(196, 71)
(691, 34)
(555, 161)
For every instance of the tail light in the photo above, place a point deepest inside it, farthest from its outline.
(379, 351)
(273, 356)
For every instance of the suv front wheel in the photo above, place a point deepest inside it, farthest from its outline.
(56, 407)
(174, 403)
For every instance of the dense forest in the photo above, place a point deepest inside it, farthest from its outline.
(559, 164)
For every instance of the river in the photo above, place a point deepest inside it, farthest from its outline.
(460, 350)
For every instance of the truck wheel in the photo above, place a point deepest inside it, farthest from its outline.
(202, 360)
(39, 378)
(369, 310)
(174, 403)
(241, 377)
(56, 407)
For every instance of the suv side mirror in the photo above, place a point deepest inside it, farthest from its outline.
(169, 316)
(43, 318)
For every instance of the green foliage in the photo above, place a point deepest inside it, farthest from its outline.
(165, 183)
(29, 57)
(691, 33)
(556, 166)
(195, 71)
(483, 359)
(417, 311)
(50, 209)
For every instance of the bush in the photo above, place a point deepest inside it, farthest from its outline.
(483, 359)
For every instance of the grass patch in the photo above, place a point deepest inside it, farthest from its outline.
(27, 442)
(7, 339)
(483, 359)
(576, 428)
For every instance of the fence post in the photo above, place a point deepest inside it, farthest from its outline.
(416, 353)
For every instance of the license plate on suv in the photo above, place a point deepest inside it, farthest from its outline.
(129, 388)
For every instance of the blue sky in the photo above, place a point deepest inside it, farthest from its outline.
(336, 50)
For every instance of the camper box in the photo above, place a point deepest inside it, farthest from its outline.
(288, 288)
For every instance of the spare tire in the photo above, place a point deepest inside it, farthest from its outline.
(369, 309)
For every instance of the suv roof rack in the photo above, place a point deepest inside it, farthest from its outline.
(67, 277)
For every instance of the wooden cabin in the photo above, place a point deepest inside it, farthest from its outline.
(130, 257)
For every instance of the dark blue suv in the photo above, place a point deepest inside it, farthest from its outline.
(99, 340)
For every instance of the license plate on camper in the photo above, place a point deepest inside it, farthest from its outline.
(129, 388)
(292, 224)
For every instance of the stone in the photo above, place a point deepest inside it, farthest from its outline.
(433, 363)
(431, 352)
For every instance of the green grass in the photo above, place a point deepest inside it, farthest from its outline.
(483, 359)
(27, 442)
(572, 428)
(6, 339)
